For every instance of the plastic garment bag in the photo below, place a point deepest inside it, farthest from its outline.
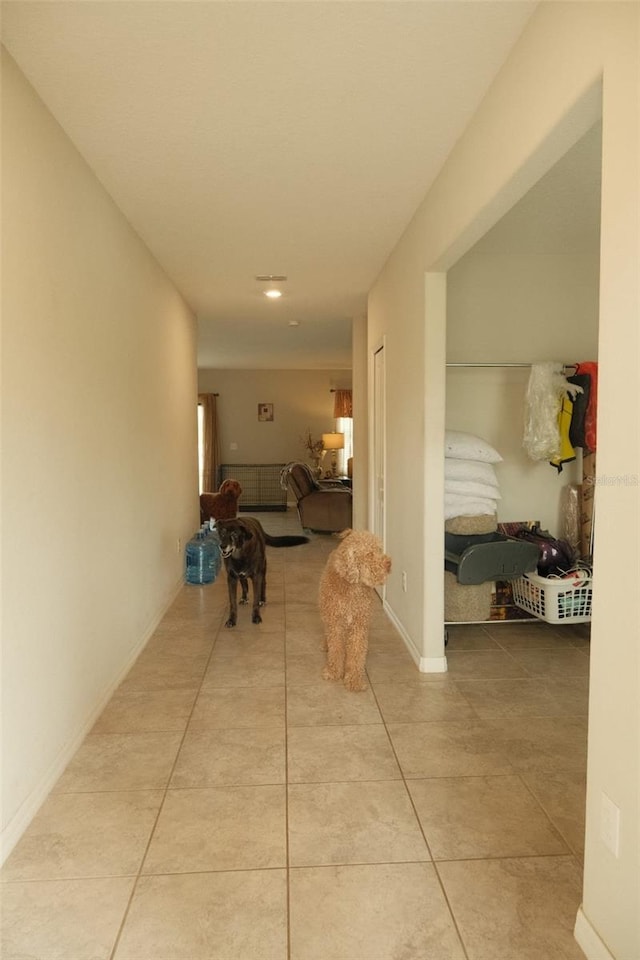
(545, 390)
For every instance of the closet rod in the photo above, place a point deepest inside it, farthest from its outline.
(488, 364)
(566, 366)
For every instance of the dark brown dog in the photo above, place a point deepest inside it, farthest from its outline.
(243, 545)
(221, 505)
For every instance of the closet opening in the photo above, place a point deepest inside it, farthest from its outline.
(525, 294)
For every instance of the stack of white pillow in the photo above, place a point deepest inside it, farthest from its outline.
(470, 483)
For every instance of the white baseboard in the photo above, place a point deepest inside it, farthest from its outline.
(424, 664)
(16, 827)
(433, 665)
(588, 940)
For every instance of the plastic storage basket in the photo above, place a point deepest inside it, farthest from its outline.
(556, 601)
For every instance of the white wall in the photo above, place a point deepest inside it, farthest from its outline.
(99, 448)
(543, 100)
(300, 398)
(526, 308)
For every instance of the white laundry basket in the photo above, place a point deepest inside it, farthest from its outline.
(565, 600)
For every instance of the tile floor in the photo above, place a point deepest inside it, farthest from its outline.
(230, 804)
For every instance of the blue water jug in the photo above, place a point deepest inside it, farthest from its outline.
(198, 560)
(203, 558)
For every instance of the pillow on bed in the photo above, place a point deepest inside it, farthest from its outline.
(474, 470)
(472, 488)
(466, 507)
(466, 446)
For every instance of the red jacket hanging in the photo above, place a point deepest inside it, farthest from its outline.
(590, 368)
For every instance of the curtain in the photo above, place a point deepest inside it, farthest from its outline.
(342, 404)
(211, 441)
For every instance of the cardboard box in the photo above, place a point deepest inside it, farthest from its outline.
(587, 497)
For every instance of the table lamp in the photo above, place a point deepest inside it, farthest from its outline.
(333, 442)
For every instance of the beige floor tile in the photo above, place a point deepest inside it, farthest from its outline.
(304, 608)
(543, 746)
(562, 796)
(304, 578)
(146, 711)
(121, 761)
(493, 699)
(469, 637)
(199, 598)
(221, 756)
(164, 671)
(60, 920)
(469, 817)
(219, 828)
(238, 707)
(230, 644)
(204, 616)
(322, 754)
(241, 915)
(328, 702)
(257, 670)
(384, 666)
(189, 640)
(362, 884)
(483, 664)
(303, 592)
(272, 613)
(456, 748)
(301, 641)
(305, 668)
(508, 909)
(390, 911)
(301, 581)
(527, 635)
(566, 662)
(363, 822)
(275, 588)
(418, 701)
(303, 618)
(570, 696)
(85, 835)
(579, 633)
(387, 642)
(379, 622)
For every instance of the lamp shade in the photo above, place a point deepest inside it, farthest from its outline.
(333, 441)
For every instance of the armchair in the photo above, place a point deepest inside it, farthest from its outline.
(322, 507)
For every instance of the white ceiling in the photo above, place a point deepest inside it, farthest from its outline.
(243, 138)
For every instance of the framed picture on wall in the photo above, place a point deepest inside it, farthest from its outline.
(265, 411)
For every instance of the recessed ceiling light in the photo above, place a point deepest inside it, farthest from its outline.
(273, 280)
(294, 323)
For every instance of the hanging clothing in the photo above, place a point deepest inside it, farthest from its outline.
(545, 391)
(590, 368)
(567, 453)
(580, 404)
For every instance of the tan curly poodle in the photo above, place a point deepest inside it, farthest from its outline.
(346, 591)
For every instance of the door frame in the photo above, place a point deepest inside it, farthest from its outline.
(377, 443)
